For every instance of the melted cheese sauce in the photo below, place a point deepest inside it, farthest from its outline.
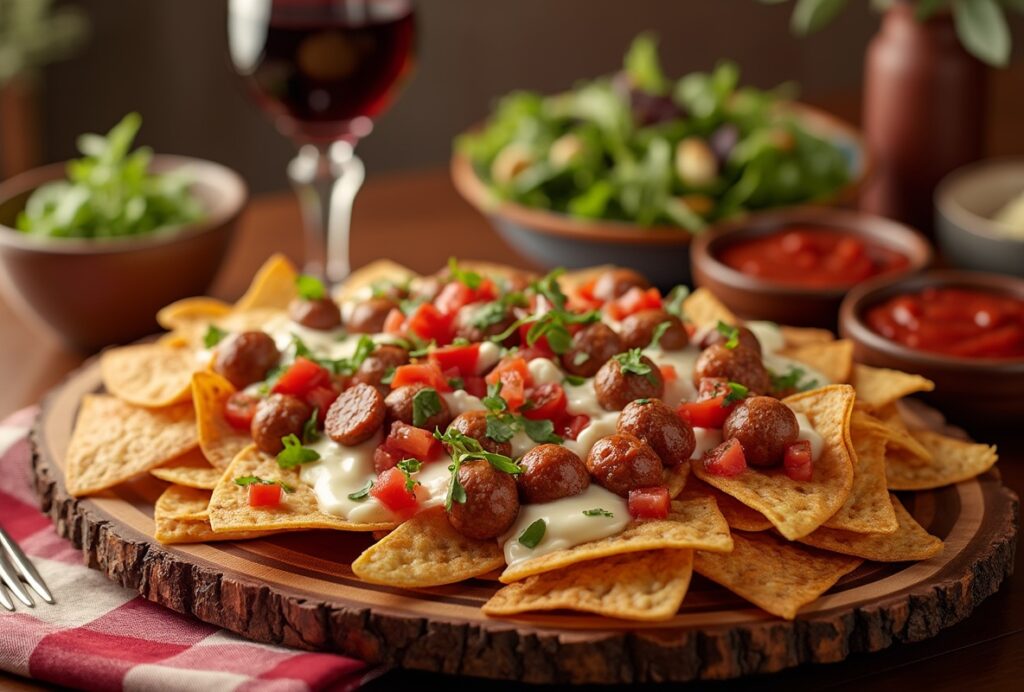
(343, 471)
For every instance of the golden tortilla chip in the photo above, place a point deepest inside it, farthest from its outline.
(694, 522)
(152, 375)
(674, 478)
(952, 461)
(188, 311)
(878, 387)
(909, 542)
(370, 274)
(801, 336)
(427, 551)
(220, 441)
(737, 515)
(774, 574)
(796, 508)
(181, 502)
(703, 309)
(230, 510)
(273, 286)
(868, 508)
(891, 425)
(833, 359)
(114, 441)
(638, 586)
(181, 516)
(191, 470)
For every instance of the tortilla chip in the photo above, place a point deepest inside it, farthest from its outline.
(427, 551)
(868, 508)
(801, 336)
(774, 574)
(369, 274)
(674, 478)
(952, 461)
(878, 387)
(230, 510)
(909, 542)
(273, 286)
(181, 502)
(833, 359)
(896, 433)
(186, 312)
(797, 508)
(694, 522)
(152, 375)
(114, 441)
(181, 516)
(639, 586)
(737, 515)
(703, 309)
(191, 470)
(220, 441)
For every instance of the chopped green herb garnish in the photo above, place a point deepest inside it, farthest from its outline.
(542, 431)
(793, 379)
(409, 467)
(214, 335)
(501, 427)
(642, 402)
(493, 401)
(426, 403)
(659, 332)
(294, 454)
(533, 534)
(463, 448)
(309, 287)
(423, 350)
(731, 334)
(574, 380)
(674, 301)
(456, 383)
(737, 393)
(389, 375)
(553, 324)
(632, 363)
(309, 431)
(246, 481)
(362, 493)
(597, 512)
(464, 276)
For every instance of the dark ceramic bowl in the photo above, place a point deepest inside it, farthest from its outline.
(662, 254)
(965, 202)
(754, 298)
(98, 292)
(984, 391)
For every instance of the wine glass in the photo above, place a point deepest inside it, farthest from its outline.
(323, 69)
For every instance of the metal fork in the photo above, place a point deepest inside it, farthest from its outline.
(16, 568)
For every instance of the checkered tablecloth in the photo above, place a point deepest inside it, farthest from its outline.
(102, 637)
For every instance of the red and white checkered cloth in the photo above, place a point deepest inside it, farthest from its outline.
(100, 636)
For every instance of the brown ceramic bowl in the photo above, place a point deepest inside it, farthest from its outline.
(754, 298)
(98, 292)
(980, 390)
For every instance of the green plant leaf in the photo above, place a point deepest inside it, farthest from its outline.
(811, 15)
(642, 66)
(982, 28)
(926, 8)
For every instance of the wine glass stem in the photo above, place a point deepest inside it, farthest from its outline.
(326, 180)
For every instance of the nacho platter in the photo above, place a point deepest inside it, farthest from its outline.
(302, 588)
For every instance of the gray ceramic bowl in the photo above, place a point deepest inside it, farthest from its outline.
(98, 292)
(965, 202)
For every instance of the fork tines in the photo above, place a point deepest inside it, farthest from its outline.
(15, 568)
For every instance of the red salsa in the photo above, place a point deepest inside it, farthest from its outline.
(954, 322)
(812, 257)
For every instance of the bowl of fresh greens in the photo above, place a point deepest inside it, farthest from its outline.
(627, 168)
(93, 247)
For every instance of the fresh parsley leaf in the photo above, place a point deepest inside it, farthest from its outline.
(456, 383)
(389, 375)
(272, 377)
(409, 305)
(423, 350)
(632, 363)
(500, 428)
(793, 379)
(309, 431)
(362, 493)
(294, 454)
(463, 448)
(597, 512)
(493, 401)
(455, 492)
(409, 467)
(426, 403)
(642, 402)
(674, 301)
(542, 431)
(574, 380)
(489, 314)
(533, 534)
(310, 287)
(301, 349)
(468, 278)
(659, 332)
(731, 334)
(737, 393)
(214, 335)
(246, 481)
(548, 287)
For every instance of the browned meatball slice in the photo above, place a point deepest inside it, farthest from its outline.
(246, 358)
(615, 282)
(368, 316)
(764, 427)
(278, 416)
(474, 424)
(625, 378)
(622, 463)
(590, 348)
(356, 415)
(657, 424)
(322, 313)
(384, 359)
(637, 330)
(492, 502)
(738, 364)
(401, 405)
(480, 322)
(551, 472)
(744, 337)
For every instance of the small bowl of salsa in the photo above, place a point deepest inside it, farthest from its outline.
(794, 266)
(962, 330)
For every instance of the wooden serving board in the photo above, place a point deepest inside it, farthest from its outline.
(298, 590)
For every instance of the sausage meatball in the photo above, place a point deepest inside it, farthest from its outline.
(322, 314)
(615, 282)
(480, 322)
(551, 472)
(368, 316)
(622, 463)
(590, 348)
(637, 330)
(746, 339)
(764, 427)
(246, 358)
(399, 404)
(492, 503)
(738, 364)
(657, 424)
(356, 415)
(474, 424)
(278, 416)
(617, 385)
(384, 359)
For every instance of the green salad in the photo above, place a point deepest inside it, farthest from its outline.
(109, 192)
(642, 148)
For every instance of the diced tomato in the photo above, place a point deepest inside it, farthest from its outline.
(475, 385)
(548, 401)
(515, 364)
(797, 461)
(301, 377)
(727, 459)
(514, 376)
(420, 373)
(632, 301)
(389, 489)
(583, 299)
(710, 410)
(385, 458)
(540, 348)
(668, 372)
(572, 427)
(264, 495)
(412, 441)
(429, 323)
(649, 503)
(321, 399)
(239, 410)
(394, 323)
(462, 358)
(456, 295)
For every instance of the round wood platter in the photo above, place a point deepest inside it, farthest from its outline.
(298, 590)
